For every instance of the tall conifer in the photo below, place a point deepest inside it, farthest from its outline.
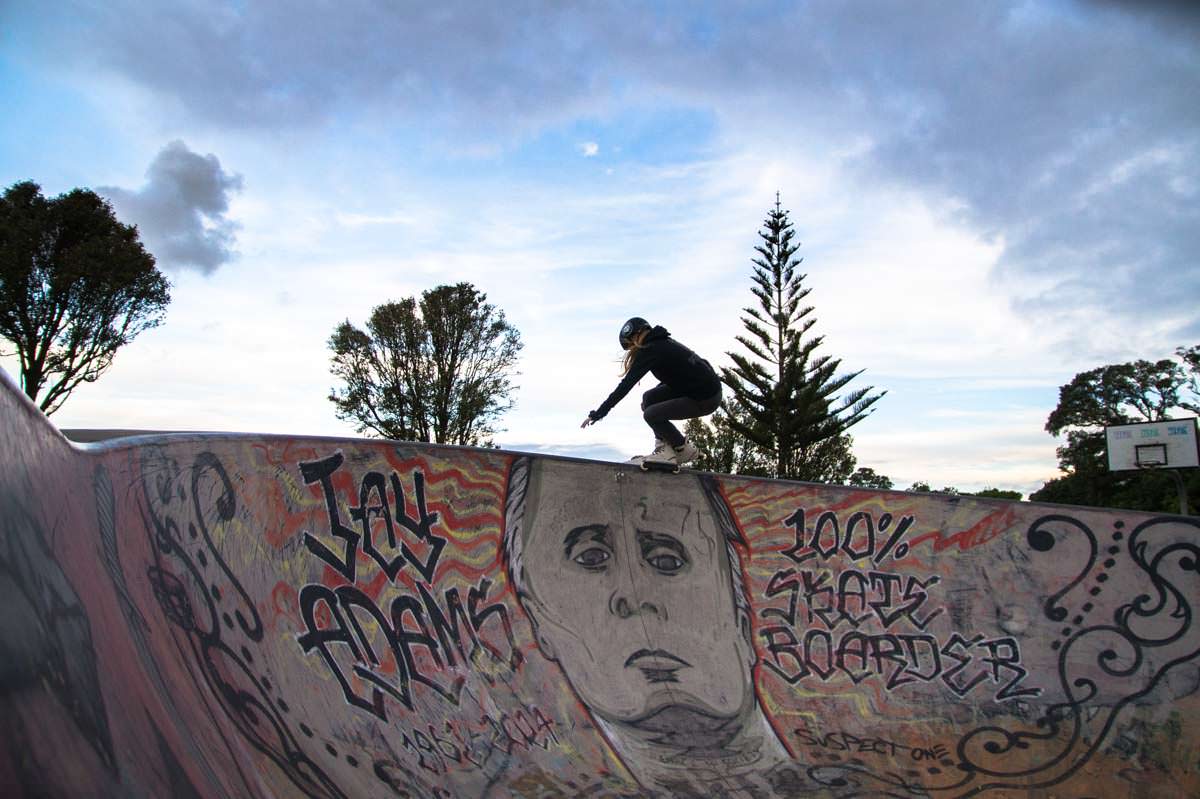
(787, 395)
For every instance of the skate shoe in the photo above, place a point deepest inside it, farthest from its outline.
(686, 453)
(658, 445)
(663, 453)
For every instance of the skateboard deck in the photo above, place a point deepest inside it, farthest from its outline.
(659, 466)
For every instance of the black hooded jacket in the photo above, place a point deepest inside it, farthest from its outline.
(669, 361)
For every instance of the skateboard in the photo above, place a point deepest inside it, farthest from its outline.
(659, 466)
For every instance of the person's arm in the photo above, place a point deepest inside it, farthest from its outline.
(641, 365)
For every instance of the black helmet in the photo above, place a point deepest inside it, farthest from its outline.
(630, 329)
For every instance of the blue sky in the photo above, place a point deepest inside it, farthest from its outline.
(991, 196)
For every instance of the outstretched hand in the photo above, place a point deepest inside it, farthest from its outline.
(589, 420)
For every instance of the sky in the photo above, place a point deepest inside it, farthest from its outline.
(990, 196)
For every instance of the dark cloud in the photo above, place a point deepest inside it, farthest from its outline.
(1170, 13)
(181, 211)
(487, 67)
(1068, 130)
(1072, 134)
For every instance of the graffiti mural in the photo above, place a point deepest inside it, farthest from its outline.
(264, 616)
(634, 587)
(46, 652)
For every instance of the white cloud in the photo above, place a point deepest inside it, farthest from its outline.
(589, 149)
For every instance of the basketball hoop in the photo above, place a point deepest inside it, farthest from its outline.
(1150, 456)
(1169, 445)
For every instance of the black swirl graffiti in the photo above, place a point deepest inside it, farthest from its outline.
(1121, 653)
(191, 603)
(1042, 540)
(1157, 620)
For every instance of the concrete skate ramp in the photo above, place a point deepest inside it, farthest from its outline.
(254, 616)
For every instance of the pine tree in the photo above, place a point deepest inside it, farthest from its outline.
(785, 398)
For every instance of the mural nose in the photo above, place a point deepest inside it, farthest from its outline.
(621, 607)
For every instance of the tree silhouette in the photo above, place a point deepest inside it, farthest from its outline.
(76, 285)
(785, 397)
(435, 370)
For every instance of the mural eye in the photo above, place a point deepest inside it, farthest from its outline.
(593, 558)
(666, 562)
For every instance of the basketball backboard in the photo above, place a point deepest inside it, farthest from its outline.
(1168, 444)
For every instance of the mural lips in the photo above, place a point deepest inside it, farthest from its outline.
(657, 665)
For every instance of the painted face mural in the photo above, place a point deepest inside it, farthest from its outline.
(633, 585)
(630, 586)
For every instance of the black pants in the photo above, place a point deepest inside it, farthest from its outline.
(663, 403)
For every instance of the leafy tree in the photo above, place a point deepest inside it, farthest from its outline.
(1191, 361)
(1118, 394)
(722, 449)
(998, 493)
(785, 398)
(832, 460)
(76, 285)
(435, 370)
(865, 477)
(1123, 393)
(921, 486)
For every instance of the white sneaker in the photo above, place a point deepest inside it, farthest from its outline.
(686, 453)
(658, 445)
(663, 453)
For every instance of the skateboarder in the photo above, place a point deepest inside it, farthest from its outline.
(688, 388)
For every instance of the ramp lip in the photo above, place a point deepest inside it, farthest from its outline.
(30, 409)
(109, 440)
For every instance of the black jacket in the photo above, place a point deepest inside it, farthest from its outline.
(669, 361)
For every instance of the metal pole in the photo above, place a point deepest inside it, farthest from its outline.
(1183, 499)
